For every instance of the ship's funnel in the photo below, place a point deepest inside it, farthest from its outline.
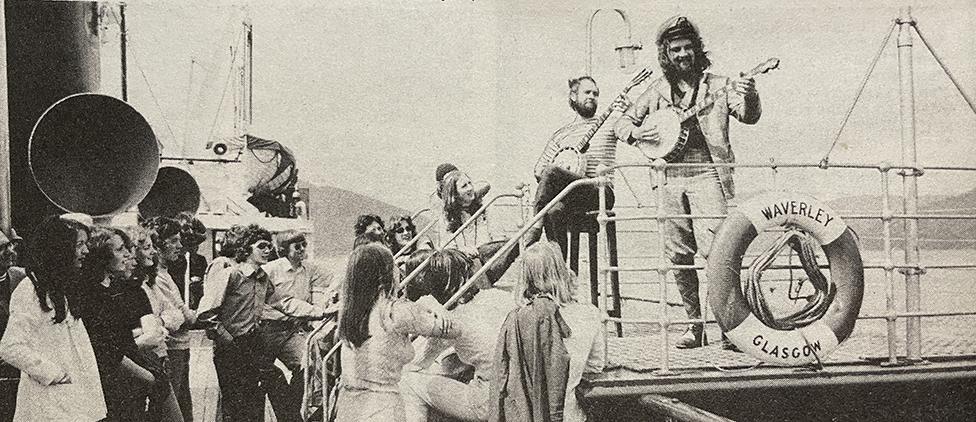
(175, 191)
(93, 154)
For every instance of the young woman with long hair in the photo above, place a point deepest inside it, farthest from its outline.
(128, 377)
(46, 338)
(546, 273)
(166, 235)
(461, 199)
(375, 330)
(479, 318)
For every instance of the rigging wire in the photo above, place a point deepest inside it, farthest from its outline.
(860, 90)
(145, 78)
(631, 188)
(223, 94)
(945, 69)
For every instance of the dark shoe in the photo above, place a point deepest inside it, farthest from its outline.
(729, 345)
(692, 338)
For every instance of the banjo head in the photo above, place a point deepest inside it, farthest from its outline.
(669, 126)
(569, 159)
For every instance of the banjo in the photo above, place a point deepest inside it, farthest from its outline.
(668, 120)
(570, 157)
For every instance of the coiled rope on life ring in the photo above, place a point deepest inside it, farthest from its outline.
(828, 319)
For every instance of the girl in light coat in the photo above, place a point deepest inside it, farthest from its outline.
(44, 338)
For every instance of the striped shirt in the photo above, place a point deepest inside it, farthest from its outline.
(603, 145)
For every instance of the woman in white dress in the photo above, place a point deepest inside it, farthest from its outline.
(44, 338)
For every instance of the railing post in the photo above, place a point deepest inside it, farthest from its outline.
(659, 170)
(603, 237)
(889, 266)
(912, 287)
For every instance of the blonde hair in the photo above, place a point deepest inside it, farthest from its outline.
(545, 273)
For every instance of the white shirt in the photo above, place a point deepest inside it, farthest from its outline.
(44, 352)
(587, 351)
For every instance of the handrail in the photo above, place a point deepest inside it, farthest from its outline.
(419, 212)
(511, 242)
(474, 217)
(415, 239)
(887, 215)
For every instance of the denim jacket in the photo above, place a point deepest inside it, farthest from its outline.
(714, 119)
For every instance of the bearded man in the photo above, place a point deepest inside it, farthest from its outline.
(692, 190)
(583, 99)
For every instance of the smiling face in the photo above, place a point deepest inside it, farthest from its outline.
(121, 262)
(403, 232)
(681, 54)
(145, 252)
(465, 190)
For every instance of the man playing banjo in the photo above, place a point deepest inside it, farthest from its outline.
(704, 139)
(601, 148)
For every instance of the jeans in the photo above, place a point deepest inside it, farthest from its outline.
(238, 374)
(284, 341)
(579, 201)
(701, 194)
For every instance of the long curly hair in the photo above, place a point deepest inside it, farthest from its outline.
(369, 274)
(251, 235)
(50, 257)
(453, 208)
(671, 73)
(396, 221)
(98, 263)
(142, 273)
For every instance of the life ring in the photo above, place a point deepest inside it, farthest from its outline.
(803, 345)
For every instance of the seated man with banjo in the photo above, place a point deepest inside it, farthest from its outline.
(683, 117)
(574, 152)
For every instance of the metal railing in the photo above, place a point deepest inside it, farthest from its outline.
(886, 215)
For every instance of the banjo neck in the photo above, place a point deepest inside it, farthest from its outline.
(585, 140)
(711, 97)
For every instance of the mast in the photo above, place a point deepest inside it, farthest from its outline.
(5, 215)
(122, 47)
(910, 184)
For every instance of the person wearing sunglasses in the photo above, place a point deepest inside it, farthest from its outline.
(283, 336)
(239, 353)
(402, 231)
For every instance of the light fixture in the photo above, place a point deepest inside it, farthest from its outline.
(627, 50)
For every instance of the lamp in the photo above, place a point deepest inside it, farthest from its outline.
(626, 50)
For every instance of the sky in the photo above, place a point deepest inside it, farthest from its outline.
(373, 95)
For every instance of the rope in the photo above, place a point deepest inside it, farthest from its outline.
(946, 70)
(223, 94)
(145, 78)
(631, 188)
(860, 90)
(815, 308)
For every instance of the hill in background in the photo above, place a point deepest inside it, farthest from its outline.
(933, 233)
(334, 212)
